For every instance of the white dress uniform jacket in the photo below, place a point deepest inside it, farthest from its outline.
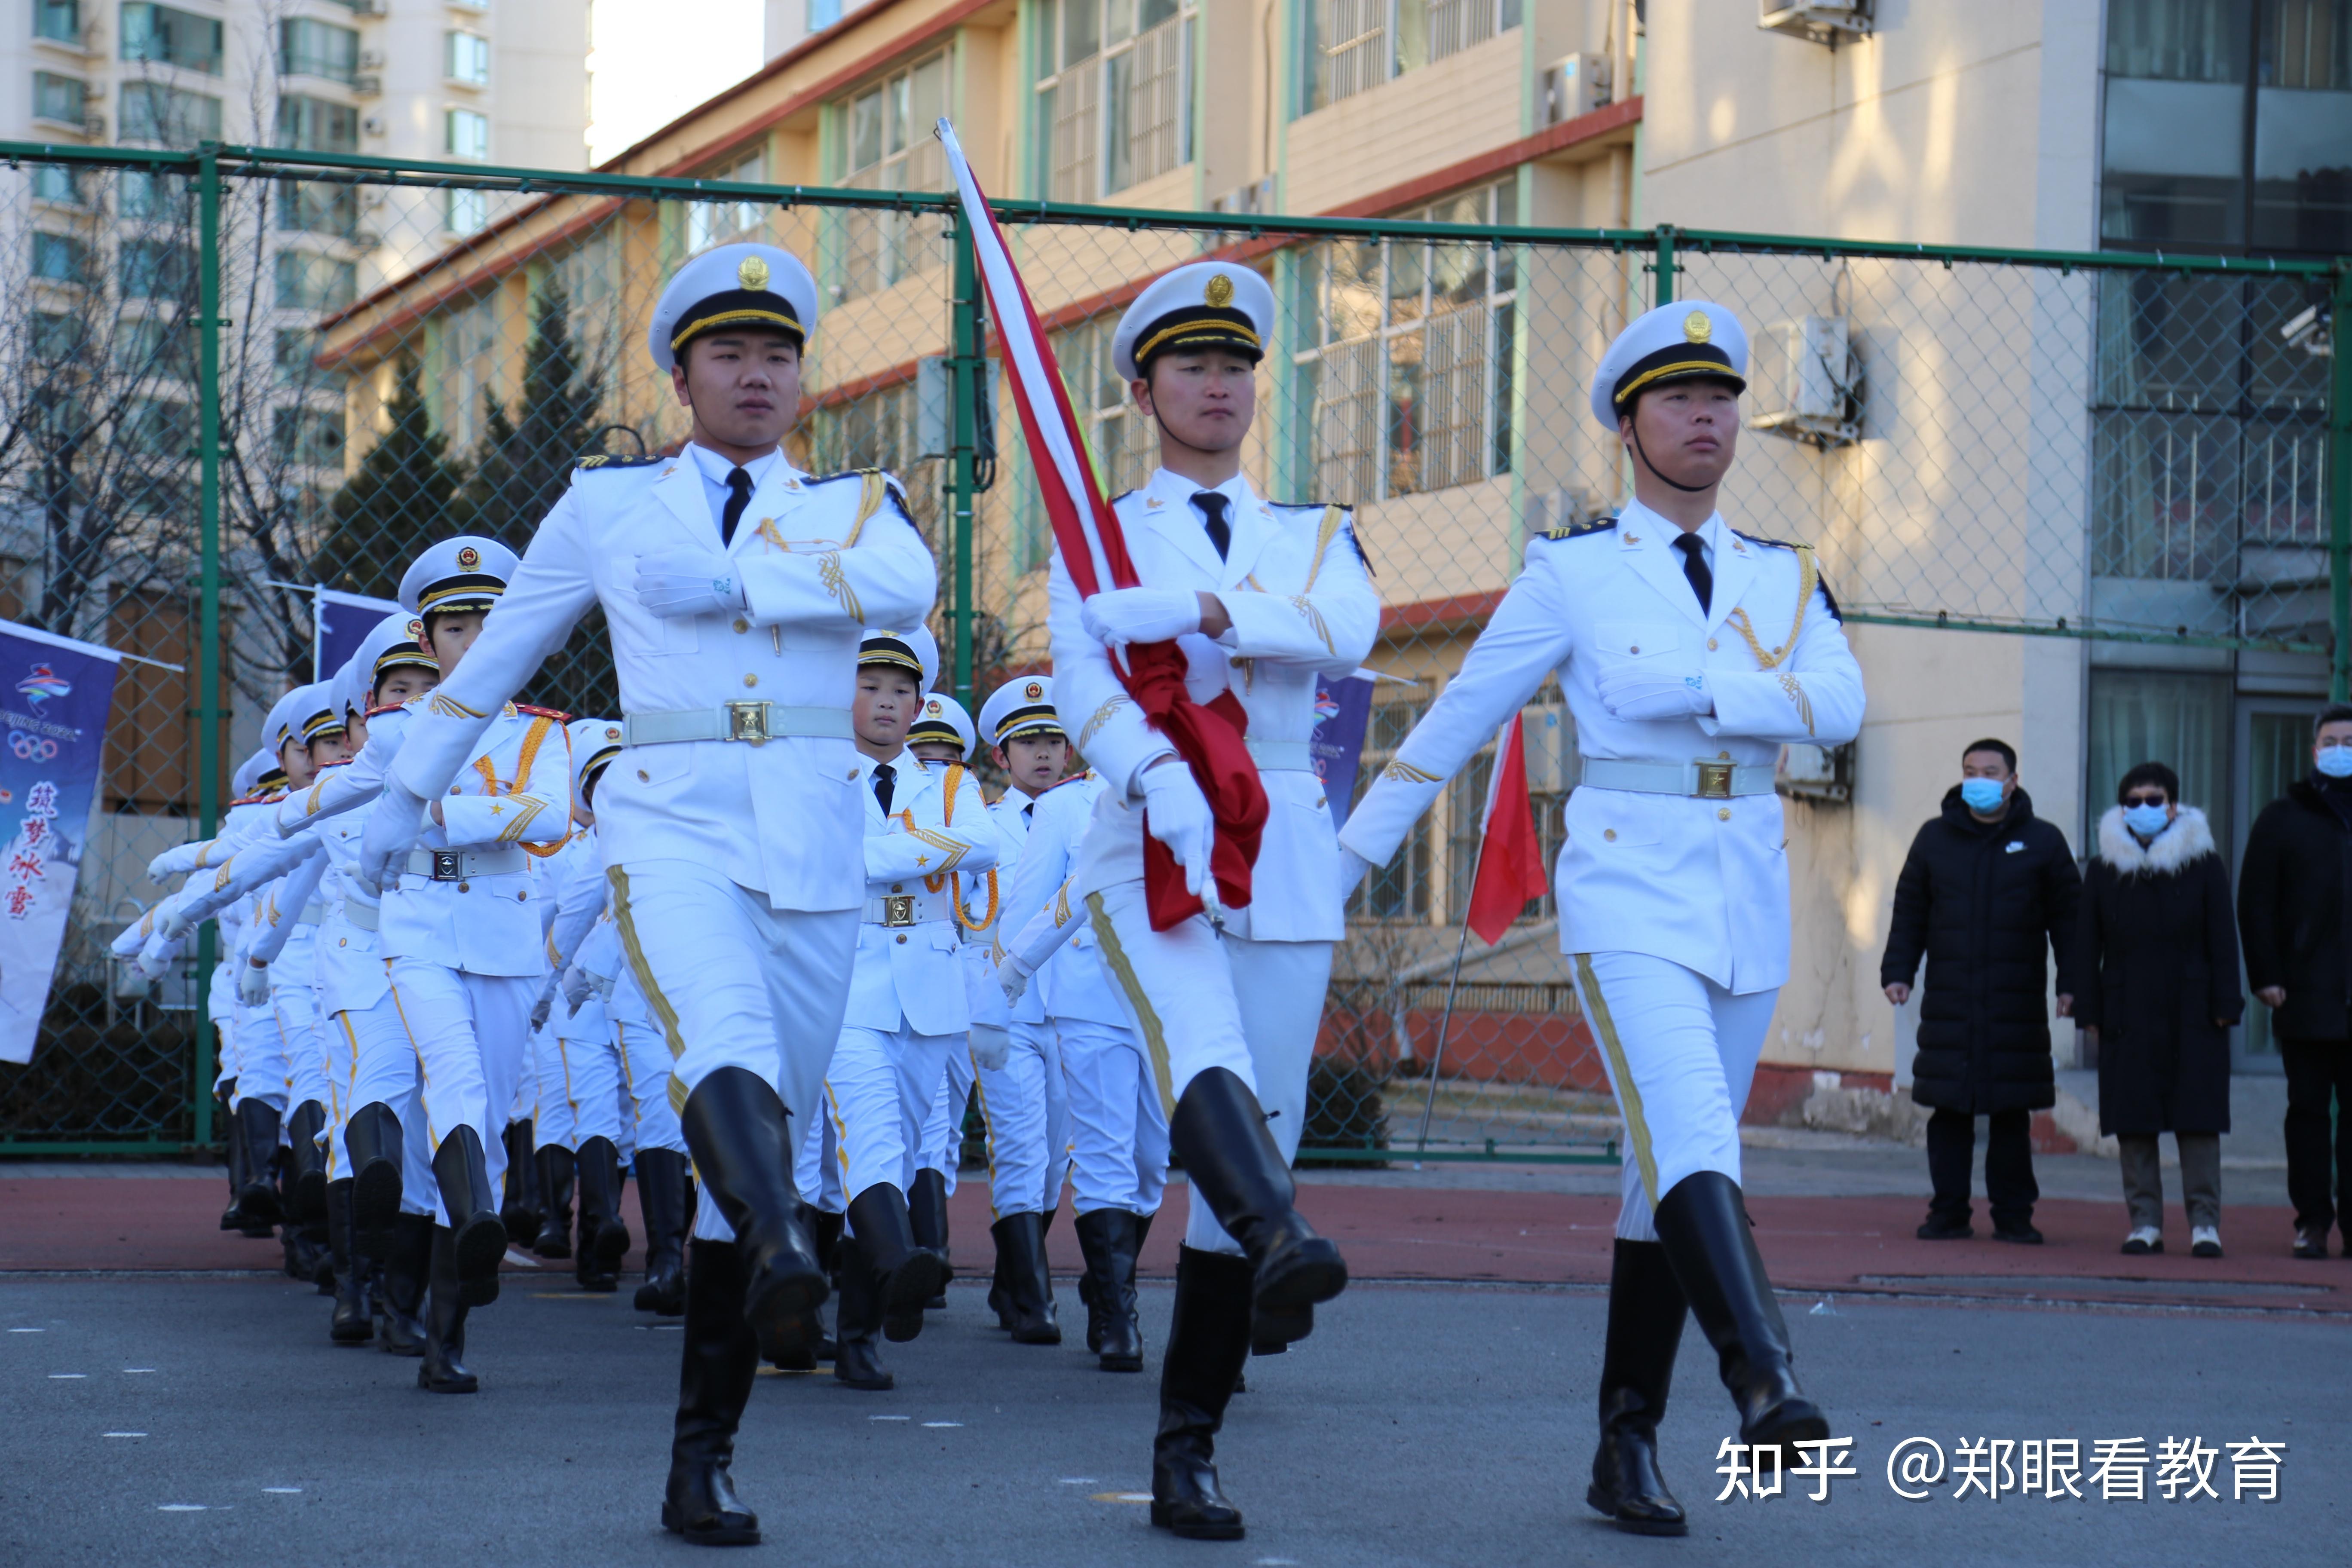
(1302, 604)
(1073, 983)
(912, 976)
(1701, 882)
(820, 561)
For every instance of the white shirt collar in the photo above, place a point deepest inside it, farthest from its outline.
(902, 765)
(1639, 521)
(715, 468)
(1178, 491)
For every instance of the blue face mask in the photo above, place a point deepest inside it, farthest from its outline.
(1981, 794)
(2148, 821)
(2335, 762)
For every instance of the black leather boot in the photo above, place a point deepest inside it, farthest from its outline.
(661, 1200)
(1029, 1289)
(232, 1128)
(857, 1322)
(1702, 1224)
(906, 1276)
(518, 1206)
(349, 1325)
(1219, 1132)
(446, 1305)
(307, 1161)
(556, 1169)
(407, 1265)
(373, 1139)
(740, 1135)
(1637, 1366)
(463, 1171)
(1208, 1340)
(603, 1240)
(257, 1200)
(1106, 1237)
(715, 1375)
(926, 1214)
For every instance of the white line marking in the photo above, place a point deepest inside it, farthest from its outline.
(179, 1508)
(284, 1491)
(943, 1422)
(123, 1434)
(1080, 1481)
(66, 1376)
(889, 1418)
(138, 1369)
(28, 1331)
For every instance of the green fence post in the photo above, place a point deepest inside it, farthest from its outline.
(967, 375)
(208, 326)
(2340, 490)
(1664, 289)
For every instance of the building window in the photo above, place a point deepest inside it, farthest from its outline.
(56, 337)
(155, 428)
(1348, 46)
(887, 145)
(317, 206)
(1405, 371)
(294, 357)
(59, 21)
(466, 212)
(154, 346)
(1399, 890)
(317, 125)
(60, 183)
(60, 259)
(468, 134)
(823, 14)
(311, 438)
(2228, 125)
(59, 99)
(1114, 93)
(466, 59)
(308, 282)
(141, 194)
(157, 269)
(307, 48)
(712, 222)
(158, 35)
(153, 112)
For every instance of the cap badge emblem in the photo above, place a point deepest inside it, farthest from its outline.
(932, 708)
(1219, 293)
(469, 558)
(752, 273)
(416, 629)
(1032, 692)
(1697, 328)
(612, 731)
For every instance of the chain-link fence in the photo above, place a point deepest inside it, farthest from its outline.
(2100, 446)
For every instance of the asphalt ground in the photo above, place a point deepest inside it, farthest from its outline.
(164, 1418)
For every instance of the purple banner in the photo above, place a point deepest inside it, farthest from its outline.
(343, 622)
(1343, 708)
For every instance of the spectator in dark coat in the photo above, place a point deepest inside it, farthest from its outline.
(2159, 957)
(2291, 918)
(1986, 887)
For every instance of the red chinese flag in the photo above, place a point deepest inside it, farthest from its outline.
(1510, 860)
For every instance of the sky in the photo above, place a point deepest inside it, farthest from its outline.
(647, 70)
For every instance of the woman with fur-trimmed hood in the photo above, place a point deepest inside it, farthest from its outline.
(2159, 941)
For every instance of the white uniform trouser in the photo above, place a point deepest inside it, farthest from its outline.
(1204, 1001)
(220, 1006)
(468, 1031)
(295, 1009)
(880, 1086)
(816, 1168)
(550, 1110)
(264, 1070)
(384, 1071)
(581, 1084)
(734, 981)
(1681, 1052)
(646, 1061)
(1118, 1133)
(943, 1149)
(1028, 1107)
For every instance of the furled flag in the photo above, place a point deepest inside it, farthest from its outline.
(1510, 860)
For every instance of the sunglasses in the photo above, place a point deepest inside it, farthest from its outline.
(2144, 797)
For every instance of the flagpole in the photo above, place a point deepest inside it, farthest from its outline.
(1452, 983)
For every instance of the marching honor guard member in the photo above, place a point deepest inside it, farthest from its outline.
(1260, 599)
(735, 591)
(1688, 653)
(943, 736)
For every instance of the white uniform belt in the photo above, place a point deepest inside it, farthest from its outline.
(312, 913)
(752, 721)
(1708, 780)
(456, 864)
(909, 910)
(360, 915)
(1280, 756)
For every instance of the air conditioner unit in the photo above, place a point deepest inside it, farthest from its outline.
(1804, 383)
(1558, 508)
(94, 126)
(935, 410)
(372, 59)
(373, 125)
(1807, 772)
(367, 7)
(1577, 84)
(367, 85)
(1816, 22)
(1256, 197)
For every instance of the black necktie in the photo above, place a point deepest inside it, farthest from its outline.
(739, 496)
(1702, 581)
(1029, 812)
(884, 776)
(1221, 533)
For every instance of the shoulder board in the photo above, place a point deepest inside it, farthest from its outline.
(1314, 506)
(246, 800)
(388, 708)
(1579, 529)
(342, 762)
(611, 461)
(849, 474)
(1120, 496)
(557, 714)
(1074, 778)
(1820, 582)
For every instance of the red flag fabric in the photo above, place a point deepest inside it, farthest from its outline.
(1209, 738)
(1511, 858)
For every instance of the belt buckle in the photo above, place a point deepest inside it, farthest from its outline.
(898, 910)
(1715, 781)
(748, 720)
(448, 865)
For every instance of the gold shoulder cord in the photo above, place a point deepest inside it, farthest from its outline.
(1808, 576)
(873, 488)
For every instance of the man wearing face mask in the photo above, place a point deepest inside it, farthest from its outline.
(2291, 899)
(1985, 886)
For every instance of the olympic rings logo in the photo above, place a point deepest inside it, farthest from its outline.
(31, 748)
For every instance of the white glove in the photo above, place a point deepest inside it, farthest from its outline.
(253, 983)
(1641, 692)
(1122, 616)
(990, 1047)
(679, 585)
(578, 984)
(393, 822)
(172, 920)
(155, 960)
(540, 1009)
(1353, 869)
(1012, 977)
(168, 864)
(1180, 819)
